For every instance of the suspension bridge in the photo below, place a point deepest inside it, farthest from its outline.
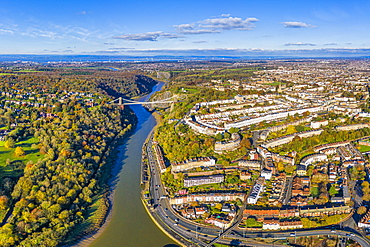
(122, 101)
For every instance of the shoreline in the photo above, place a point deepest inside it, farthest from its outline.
(108, 197)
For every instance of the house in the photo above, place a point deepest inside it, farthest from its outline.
(290, 224)
(318, 124)
(271, 224)
(245, 175)
(195, 181)
(301, 170)
(267, 174)
(193, 163)
(220, 220)
(365, 221)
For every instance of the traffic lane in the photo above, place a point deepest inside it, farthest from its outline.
(304, 233)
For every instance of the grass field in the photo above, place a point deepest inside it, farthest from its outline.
(364, 148)
(28, 70)
(192, 90)
(276, 83)
(5, 153)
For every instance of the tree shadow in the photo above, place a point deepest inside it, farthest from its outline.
(31, 151)
(25, 145)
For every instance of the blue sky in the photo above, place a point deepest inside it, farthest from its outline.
(163, 27)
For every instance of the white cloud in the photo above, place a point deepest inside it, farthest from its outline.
(216, 25)
(192, 29)
(300, 44)
(296, 24)
(6, 31)
(149, 36)
(229, 23)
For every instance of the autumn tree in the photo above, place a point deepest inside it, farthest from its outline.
(19, 151)
(361, 210)
(9, 143)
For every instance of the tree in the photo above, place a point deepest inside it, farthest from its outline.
(280, 166)
(9, 143)
(227, 135)
(3, 202)
(289, 169)
(290, 130)
(19, 151)
(361, 210)
(233, 130)
(218, 206)
(246, 143)
(332, 191)
(219, 137)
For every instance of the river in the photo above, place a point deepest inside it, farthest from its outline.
(130, 225)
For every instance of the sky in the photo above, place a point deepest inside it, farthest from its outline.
(191, 27)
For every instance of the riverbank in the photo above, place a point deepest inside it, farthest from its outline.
(101, 209)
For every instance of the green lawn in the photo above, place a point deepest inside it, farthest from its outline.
(5, 153)
(28, 70)
(364, 148)
(191, 90)
(276, 83)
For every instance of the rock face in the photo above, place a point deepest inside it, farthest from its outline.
(129, 85)
(162, 96)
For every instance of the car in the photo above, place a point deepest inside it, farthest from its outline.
(352, 234)
(333, 230)
(292, 234)
(166, 209)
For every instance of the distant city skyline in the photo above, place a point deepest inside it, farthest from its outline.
(186, 28)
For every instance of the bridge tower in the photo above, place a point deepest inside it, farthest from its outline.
(120, 104)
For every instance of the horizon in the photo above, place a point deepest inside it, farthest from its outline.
(191, 28)
(79, 58)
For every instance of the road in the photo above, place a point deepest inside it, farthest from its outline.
(288, 190)
(202, 235)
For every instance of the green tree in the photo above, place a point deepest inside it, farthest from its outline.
(233, 130)
(332, 191)
(219, 137)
